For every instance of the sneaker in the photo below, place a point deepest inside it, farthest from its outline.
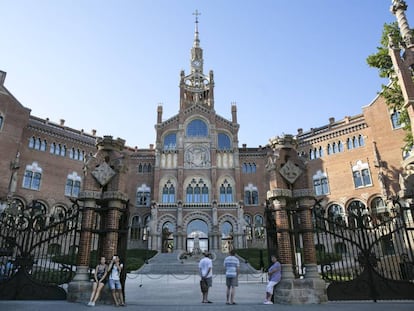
(267, 302)
(92, 304)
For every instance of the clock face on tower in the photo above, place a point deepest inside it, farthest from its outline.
(196, 63)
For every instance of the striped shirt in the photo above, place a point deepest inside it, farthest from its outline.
(231, 263)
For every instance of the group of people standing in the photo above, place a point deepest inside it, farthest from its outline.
(112, 273)
(232, 267)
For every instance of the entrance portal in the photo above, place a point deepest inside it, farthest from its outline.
(197, 236)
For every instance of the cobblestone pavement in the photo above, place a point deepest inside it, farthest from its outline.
(182, 293)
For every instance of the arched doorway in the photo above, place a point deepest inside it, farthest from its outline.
(226, 237)
(167, 237)
(197, 236)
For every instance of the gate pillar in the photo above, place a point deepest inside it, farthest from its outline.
(289, 225)
(80, 287)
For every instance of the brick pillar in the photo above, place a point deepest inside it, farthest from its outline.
(80, 287)
(283, 238)
(309, 252)
(110, 242)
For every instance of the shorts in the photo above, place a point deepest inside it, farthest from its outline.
(270, 286)
(115, 284)
(232, 282)
(209, 281)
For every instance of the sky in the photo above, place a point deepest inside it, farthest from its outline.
(108, 64)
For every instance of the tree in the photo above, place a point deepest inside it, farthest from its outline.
(392, 91)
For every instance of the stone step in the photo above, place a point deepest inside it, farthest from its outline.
(175, 263)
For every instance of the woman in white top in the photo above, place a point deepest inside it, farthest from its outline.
(115, 269)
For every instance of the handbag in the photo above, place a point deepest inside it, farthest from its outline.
(204, 285)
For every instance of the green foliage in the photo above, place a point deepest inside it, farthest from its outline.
(391, 92)
(252, 256)
(137, 257)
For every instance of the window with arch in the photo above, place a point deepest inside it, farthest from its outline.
(170, 141)
(32, 176)
(380, 212)
(168, 192)
(248, 223)
(1, 122)
(197, 128)
(336, 216)
(361, 175)
(135, 228)
(355, 142)
(251, 195)
(396, 119)
(37, 144)
(224, 142)
(143, 196)
(320, 183)
(316, 153)
(73, 185)
(197, 192)
(249, 168)
(144, 168)
(226, 192)
(76, 154)
(357, 210)
(258, 227)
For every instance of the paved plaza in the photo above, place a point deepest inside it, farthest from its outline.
(182, 293)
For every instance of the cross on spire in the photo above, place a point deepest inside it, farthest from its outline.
(196, 14)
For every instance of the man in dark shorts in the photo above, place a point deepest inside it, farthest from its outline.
(232, 265)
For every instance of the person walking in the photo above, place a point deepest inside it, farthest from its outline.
(115, 269)
(275, 274)
(99, 281)
(205, 267)
(232, 266)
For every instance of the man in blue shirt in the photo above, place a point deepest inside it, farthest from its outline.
(232, 264)
(275, 274)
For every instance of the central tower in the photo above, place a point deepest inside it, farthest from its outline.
(196, 88)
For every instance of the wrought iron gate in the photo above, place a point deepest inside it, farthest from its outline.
(366, 257)
(37, 250)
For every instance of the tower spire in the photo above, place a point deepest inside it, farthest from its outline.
(196, 51)
(196, 37)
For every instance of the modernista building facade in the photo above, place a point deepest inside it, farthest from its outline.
(196, 187)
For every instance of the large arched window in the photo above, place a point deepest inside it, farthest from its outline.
(336, 216)
(358, 214)
(380, 212)
(170, 141)
(168, 192)
(197, 128)
(224, 142)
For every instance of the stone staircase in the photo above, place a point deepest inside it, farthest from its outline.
(175, 263)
